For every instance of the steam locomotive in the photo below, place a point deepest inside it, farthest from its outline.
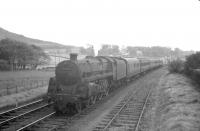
(79, 83)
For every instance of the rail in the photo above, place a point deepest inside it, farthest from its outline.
(11, 116)
(33, 123)
(141, 114)
(20, 115)
(106, 127)
(40, 100)
(130, 107)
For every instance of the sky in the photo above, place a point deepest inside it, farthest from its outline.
(170, 23)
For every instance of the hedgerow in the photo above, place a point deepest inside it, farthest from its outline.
(191, 66)
(192, 62)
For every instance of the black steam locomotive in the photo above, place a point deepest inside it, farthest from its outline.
(79, 83)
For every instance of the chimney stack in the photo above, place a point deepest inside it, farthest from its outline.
(73, 56)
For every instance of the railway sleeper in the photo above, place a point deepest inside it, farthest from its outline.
(125, 122)
(129, 125)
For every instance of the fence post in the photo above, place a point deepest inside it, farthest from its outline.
(31, 83)
(7, 89)
(45, 83)
(21, 83)
(40, 83)
(16, 89)
(37, 83)
(16, 102)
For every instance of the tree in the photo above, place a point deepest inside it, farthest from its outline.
(9, 51)
(19, 54)
(177, 52)
(132, 51)
(109, 50)
(38, 56)
(155, 51)
(115, 50)
(89, 51)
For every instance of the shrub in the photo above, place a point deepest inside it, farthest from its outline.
(192, 63)
(176, 66)
(195, 75)
(4, 65)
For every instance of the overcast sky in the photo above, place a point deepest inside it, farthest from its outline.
(172, 23)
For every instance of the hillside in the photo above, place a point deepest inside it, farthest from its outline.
(43, 44)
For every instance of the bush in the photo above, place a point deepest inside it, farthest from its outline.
(4, 65)
(192, 63)
(195, 75)
(176, 66)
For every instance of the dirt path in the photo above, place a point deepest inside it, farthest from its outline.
(88, 122)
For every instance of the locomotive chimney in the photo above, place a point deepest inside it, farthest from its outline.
(73, 56)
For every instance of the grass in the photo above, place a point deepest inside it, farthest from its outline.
(16, 75)
(9, 102)
(13, 82)
(177, 105)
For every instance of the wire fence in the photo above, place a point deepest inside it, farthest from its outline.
(11, 87)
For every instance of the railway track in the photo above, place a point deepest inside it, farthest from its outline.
(37, 116)
(55, 123)
(128, 114)
(18, 118)
(46, 122)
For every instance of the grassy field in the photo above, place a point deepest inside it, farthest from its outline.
(13, 82)
(14, 75)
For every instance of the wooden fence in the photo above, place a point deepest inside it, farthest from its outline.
(10, 87)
